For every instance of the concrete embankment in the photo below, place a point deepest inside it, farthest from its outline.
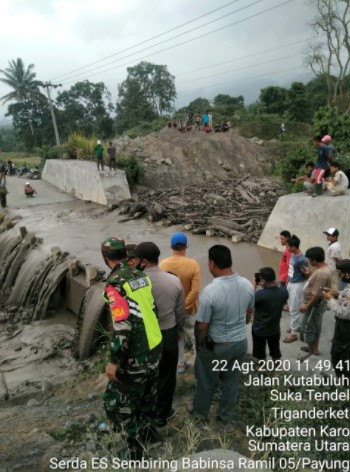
(82, 180)
(308, 217)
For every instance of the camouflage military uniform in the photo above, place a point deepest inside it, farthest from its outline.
(135, 349)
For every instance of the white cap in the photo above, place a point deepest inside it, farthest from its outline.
(98, 142)
(331, 232)
(27, 183)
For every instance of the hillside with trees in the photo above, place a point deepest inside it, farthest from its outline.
(85, 112)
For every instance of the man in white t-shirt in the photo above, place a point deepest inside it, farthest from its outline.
(339, 183)
(333, 254)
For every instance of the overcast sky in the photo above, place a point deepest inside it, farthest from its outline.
(258, 42)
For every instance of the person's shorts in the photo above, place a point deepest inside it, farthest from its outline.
(311, 324)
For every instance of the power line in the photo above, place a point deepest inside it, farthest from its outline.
(243, 57)
(243, 79)
(242, 68)
(192, 39)
(167, 40)
(147, 40)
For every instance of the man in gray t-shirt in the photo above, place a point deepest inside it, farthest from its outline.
(169, 298)
(225, 306)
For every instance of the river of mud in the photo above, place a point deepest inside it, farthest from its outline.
(38, 352)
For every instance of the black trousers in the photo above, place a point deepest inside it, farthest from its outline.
(167, 372)
(259, 346)
(340, 351)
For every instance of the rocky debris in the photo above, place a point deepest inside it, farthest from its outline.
(238, 208)
(257, 141)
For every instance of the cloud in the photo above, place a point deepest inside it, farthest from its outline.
(59, 36)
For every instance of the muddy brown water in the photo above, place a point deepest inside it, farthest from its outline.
(78, 228)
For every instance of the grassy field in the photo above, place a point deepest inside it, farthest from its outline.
(19, 158)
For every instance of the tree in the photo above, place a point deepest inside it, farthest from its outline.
(85, 108)
(227, 100)
(317, 90)
(329, 55)
(41, 131)
(157, 85)
(274, 99)
(298, 103)
(7, 139)
(133, 107)
(200, 105)
(25, 86)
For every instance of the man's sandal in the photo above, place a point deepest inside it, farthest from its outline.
(290, 339)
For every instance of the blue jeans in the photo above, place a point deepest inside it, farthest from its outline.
(216, 365)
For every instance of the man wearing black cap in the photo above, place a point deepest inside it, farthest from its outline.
(169, 297)
(333, 254)
(135, 351)
(339, 303)
(188, 272)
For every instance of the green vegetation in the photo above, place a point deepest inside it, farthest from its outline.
(85, 112)
(75, 432)
(147, 127)
(133, 169)
(80, 147)
(19, 158)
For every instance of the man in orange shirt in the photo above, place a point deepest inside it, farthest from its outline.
(188, 272)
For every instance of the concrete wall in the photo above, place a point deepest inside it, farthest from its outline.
(307, 217)
(82, 180)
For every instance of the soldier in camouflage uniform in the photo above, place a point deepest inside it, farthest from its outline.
(131, 393)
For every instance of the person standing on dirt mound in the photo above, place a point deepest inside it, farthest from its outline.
(130, 397)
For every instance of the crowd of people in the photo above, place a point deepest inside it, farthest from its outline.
(200, 122)
(152, 304)
(326, 174)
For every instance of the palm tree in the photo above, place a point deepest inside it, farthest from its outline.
(25, 87)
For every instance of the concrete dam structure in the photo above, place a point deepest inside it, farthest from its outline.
(82, 180)
(307, 218)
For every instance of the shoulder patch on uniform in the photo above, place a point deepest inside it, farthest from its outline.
(118, 305)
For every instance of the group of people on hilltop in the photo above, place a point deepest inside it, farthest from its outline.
(326, 174)
(151, 304)
(112, 155)
(204, 122)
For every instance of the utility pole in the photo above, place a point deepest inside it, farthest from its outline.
(49, 85)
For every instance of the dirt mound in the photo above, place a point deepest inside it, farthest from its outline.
(171, 158)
